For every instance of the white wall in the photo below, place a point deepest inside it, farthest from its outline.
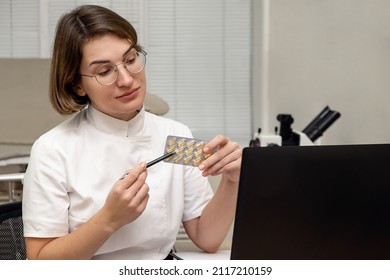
(333, 52)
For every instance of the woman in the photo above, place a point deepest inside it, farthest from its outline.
(76, 202)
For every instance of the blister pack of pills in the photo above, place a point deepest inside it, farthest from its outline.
(188, 151)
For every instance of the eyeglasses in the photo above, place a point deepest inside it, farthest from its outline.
(107, 73)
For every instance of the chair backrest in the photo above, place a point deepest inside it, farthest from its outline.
(12, 244)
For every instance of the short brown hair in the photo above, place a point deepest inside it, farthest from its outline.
(74, 29)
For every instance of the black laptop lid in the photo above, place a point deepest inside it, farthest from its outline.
(314, 202)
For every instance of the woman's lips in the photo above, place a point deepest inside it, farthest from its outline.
(129, 94)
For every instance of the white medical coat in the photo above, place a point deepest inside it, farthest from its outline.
(73, 167)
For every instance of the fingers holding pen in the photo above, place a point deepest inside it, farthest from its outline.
(133, 185)
(128, 197)
(133, 181)
(132, 174)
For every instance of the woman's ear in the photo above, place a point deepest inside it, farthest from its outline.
(79, 90)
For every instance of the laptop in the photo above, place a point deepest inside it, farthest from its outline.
(313, 203)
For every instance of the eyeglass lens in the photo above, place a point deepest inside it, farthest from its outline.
(107, 73)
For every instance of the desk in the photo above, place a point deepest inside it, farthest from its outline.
(199, 255)
(10, 182)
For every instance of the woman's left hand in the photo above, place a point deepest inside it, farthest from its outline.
(225, 160)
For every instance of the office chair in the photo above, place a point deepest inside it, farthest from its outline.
(12, 244)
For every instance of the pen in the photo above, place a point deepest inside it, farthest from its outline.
(149, 164)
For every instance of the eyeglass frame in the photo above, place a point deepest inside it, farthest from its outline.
(144, 53)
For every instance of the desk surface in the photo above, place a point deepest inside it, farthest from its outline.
(199, 255)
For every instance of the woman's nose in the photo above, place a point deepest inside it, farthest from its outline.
(124, 77)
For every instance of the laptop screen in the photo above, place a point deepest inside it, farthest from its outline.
(314, 202)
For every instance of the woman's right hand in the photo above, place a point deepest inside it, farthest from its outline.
(125, 203)
(128, 198)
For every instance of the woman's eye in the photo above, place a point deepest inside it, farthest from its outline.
(131, 59)
(105, 71)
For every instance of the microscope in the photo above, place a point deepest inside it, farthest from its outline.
(289, 137)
